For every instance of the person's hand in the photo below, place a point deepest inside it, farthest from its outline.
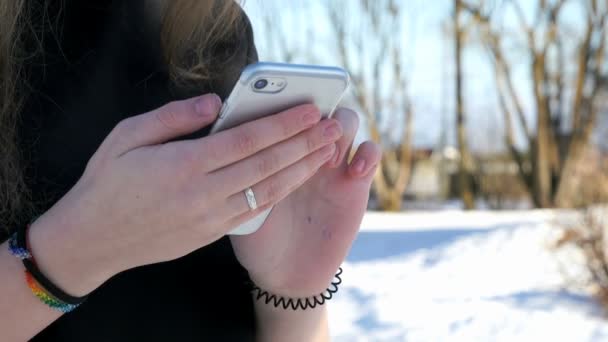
(307, 235)
(145, 200)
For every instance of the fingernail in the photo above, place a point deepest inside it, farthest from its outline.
(332, 131)
(360, 166)
(208, 105)
(328, 151)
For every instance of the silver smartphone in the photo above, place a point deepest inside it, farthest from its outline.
(268, 88)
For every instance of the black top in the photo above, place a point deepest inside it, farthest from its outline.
(102, 65)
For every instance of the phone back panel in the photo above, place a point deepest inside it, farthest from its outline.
(323, 86)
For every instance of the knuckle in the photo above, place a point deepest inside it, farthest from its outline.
(273, 191)
(121, 133)
(267, 165)
(114, 141)
(311, 143)
(311, 109)
(316, 111)
(245, 142)
(321, 157)
(170, 106)
(168, 116)
(286, 125)
(124, 127)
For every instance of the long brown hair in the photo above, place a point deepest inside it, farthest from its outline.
(190, 29)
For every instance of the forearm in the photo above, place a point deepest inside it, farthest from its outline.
(278, 324)
(23, 315)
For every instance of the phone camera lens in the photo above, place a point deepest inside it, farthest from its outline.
(260, 84)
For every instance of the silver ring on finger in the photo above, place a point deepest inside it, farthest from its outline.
(250, 196)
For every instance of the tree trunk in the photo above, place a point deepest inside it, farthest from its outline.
(390, 201)
(542, 165)
(464, 173)
(553, 156)
(390, 188)
(392, 177)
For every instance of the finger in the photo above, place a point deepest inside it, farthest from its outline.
(262, 165)
(227, 147)
(274, 188)
(160, 125)
(366, 159)
(349, 120)
(242, 218)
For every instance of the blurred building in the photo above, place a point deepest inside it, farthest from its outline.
(431, 173)
(426, 178)
(435, 178)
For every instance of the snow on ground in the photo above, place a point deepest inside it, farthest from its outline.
(455, 276)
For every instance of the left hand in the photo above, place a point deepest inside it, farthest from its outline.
(306, 237)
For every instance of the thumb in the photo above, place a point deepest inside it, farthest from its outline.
(170, 121)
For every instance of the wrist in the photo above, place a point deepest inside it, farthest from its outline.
(62, 256)
(278, 324)
(287, 288)
(303, 288)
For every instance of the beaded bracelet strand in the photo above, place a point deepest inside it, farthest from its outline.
(45, 297)
(17, 250)
(40, 286)
(298, 303)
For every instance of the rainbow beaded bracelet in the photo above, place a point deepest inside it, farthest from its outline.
(41, 287)
(16, 250)
(45, 297)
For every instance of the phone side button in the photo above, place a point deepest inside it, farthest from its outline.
(223, 111)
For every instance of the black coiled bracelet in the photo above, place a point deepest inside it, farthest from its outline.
(298, 303)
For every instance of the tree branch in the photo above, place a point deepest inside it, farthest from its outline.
(510, 137)
(521, 16)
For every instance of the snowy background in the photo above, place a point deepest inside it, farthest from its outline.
(456, 276)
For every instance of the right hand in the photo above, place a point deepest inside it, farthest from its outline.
(144, 200)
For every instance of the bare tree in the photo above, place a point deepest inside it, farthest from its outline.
(290, 40)
(465, 172)
(563, 128)
(371, 46)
